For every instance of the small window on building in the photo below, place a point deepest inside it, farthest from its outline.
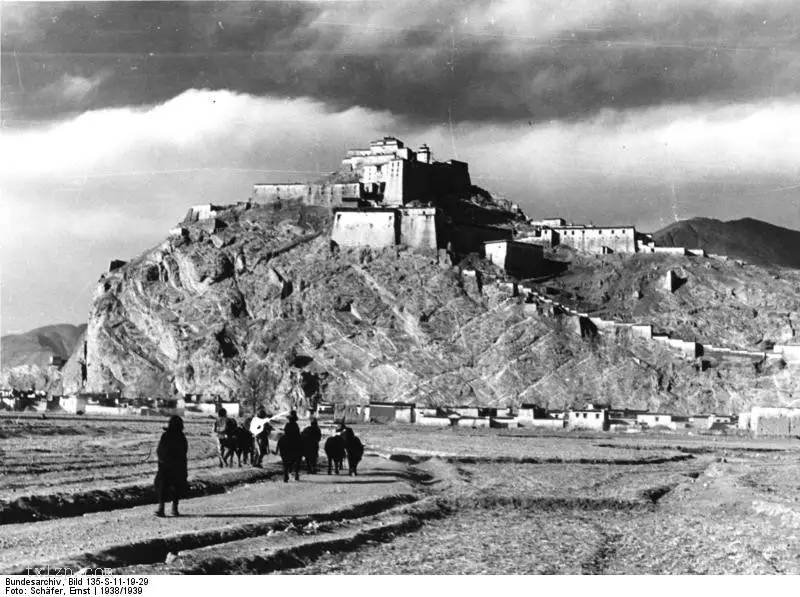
(597, 416)
(585, 415)
(656, 419)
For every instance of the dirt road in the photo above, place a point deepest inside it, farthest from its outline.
(135, 536)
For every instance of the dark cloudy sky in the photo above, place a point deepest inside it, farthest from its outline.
(118, 116)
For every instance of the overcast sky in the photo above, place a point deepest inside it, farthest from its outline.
(118, 116)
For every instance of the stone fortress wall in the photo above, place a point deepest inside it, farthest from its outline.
(357, 228)
(418, 228)
(325, 194)
(582, 323)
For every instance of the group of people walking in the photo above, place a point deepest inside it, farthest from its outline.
(252, 442)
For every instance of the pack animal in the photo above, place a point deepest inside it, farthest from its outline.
(227, 442)
(311, 437)
(243, 446)
(354, 450)
(334, 450)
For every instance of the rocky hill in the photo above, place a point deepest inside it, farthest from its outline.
(259, 305)
(748, 239)
(36, 347)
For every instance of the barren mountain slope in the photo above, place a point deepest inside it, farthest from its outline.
(37, 346)
(749, 239)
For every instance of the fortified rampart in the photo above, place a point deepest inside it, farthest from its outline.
(376, 228)
(419, 229)
(583, 324)
(325, 194)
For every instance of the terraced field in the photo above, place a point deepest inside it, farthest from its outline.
(77, 494)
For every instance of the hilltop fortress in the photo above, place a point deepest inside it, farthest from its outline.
(387, 174)
(388, 194)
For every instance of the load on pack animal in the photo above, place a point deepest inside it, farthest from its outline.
(260, 429)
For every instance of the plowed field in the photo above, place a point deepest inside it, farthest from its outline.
(77, 493)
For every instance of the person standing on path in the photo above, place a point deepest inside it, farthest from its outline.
(172, 465)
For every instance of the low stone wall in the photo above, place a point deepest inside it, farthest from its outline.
(542, 423)
(434, 421)
(473, 422)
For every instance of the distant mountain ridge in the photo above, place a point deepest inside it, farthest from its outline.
(749, 239)
(37, 346)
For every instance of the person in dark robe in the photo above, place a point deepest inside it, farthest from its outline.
(311, 437)
(171, 479)
(290, 447)
(292, 426)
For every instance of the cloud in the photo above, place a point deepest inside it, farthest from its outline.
(431, 62)
(74, 89)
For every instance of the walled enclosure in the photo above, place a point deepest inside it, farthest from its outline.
(523, 260)
(597, 240)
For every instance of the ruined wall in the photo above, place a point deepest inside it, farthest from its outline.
(598, 240)
(419, 228)
(368, 228)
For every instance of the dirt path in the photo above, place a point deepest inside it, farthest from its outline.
(135, 535)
